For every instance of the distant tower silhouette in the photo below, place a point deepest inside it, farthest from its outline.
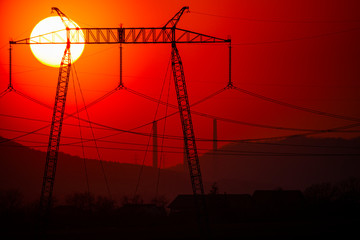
(155, 145)
(135, 159)
(185, 162)
(215, 148)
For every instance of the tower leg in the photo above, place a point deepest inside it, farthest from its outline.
(55, 133)
(189, 137)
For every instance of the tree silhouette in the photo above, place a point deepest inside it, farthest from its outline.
(160, 201)
(10, 200)
(321, 193)
(214, 189)
(83, 201)
(137, 199)
(104, 204)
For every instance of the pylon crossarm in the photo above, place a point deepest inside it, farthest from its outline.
(122, 35)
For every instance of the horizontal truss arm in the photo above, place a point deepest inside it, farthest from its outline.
(122, 35)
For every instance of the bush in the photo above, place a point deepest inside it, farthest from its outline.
(10, 200)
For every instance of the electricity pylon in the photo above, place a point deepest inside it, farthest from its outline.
(57, 120)
(170, 34)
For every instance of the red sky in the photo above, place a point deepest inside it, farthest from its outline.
(305, 53)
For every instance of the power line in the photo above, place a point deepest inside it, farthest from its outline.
(148, 143)
(214, 117)
(47, 121)
(3, 93)
(221, 153)
(297, 39)
(47, 106)
(32, 99)
(321, 131)
(167, 115)
(304, 109)
(162, 142)
(222, 118)
(81, 139)
(173, 137)
(245, 141)
(206, 115)
(195, 112)
(278, 20)
(205, 150)
(93, 135)
(152, 99)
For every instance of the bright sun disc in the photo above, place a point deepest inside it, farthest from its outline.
(51, 54)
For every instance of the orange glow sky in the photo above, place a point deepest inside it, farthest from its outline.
(301, 52)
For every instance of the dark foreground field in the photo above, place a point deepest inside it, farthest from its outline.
(320, 229)
(148, 221)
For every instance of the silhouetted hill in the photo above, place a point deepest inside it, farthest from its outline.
(22, 168)
(291, 163)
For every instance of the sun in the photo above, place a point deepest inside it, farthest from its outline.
(51, 54)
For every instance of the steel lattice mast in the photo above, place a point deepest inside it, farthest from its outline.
(168, 34)
(56, 123)
(192, 155)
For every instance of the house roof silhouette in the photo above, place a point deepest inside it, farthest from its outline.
(183, 202)
(278, 198)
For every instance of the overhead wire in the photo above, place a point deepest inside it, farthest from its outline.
(278, 20)
(148, 143)
(162, 141)
(221, 152)
(214, 117)
(94, 127)
(206, 115)
(32, 99)
(48, 106)
(165, 118)
(81, 139)
(296, 107)
(167, 115)
(297, 39)
(331, 130)
(173, 137)
(263, 141)
(31, 70)
(3, 93)
(93, 135)
(222, 118)
(288, 21)
(48, 121)
(144, 96)
(171, 105)
(338, 129)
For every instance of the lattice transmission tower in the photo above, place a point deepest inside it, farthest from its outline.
(168, 34)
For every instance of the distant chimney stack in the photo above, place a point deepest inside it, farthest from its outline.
(185, 160)
(155, 145)
(215, 146)
(215, 149)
